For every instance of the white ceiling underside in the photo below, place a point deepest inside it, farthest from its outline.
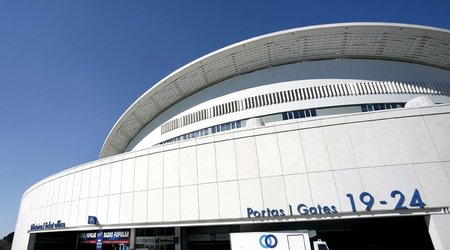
(397, 42)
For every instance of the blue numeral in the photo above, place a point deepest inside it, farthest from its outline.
(416, 200)
(369, 203)
(352, 202)
(400, 201)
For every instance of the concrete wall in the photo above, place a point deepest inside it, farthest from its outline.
(215, 179)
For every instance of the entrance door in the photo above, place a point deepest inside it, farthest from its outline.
(296, 242)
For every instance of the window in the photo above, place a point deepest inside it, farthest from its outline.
(299, 114)
(380, 106)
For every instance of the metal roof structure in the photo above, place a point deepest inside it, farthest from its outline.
(384, 41)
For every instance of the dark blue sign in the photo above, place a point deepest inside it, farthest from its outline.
(92, 220)
(99, 240)
(105, 237)
(48, 225)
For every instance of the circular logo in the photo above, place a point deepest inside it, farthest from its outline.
(268, 241)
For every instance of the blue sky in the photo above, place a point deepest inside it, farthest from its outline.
(69, 69)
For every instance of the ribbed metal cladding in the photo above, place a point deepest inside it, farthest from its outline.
(396, 42)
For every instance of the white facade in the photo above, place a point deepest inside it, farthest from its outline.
(338, 164)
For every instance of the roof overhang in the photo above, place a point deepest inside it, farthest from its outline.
(385, 41)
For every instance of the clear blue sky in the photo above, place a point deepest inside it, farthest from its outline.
(69, 69)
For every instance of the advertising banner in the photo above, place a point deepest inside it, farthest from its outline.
(107, 237)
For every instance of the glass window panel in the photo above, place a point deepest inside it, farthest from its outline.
(302, 114)
(364, 108)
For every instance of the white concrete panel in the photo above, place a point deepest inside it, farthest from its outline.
(62, 189)
(85, 181)
(188, 166)
(375, 182)
(439, 129)
(140, 206)
(171, 168)
(264, 130)
(94, 182)
(404, 179)
(189, 202)
(365, 144)
(48, 213)
(226, 161)
(250, 195)
(141, 173)
(297, 189)
(315, 150)
(439, 229)
(73, 214)
(92, 207)
(56, 189)
(172, 204)
(127, 181)
(268, 155)
(274, 193)
(447, 168)
(69, 187)
(208, 201)
(82, 212)
(206, 163)
(323, 189)
(349, 182)
(77, 186)
(42, 195)
(105, 176)
(390, 141)
(59, 211)
(116, 178)
(40, 217)
(291, 152)
(113, 209)
(418, 142)
(102, 209)
(229, 204)
(155, 171)
(246, 158)
(435, 184)
(67, 212)
(227, 135)
(155, 205)
(126, 208)
(340, 148)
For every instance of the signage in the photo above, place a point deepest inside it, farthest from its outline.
(145, 240)
(92, 220)
(116, 237)
(47, 225)
(397, 202)
(89, 237)
(209, 237)
(107, 237)
(268, 241)
(99, 240)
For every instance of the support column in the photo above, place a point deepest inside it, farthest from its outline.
(439, 230)
(132, 238)
(31, 241)
(178, 235)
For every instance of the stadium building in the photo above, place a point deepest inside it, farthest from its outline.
(341, 129)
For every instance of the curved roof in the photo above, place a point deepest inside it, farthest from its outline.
(386, 41)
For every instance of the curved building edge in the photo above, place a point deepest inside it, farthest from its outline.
(175, 85)
(319, 144)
